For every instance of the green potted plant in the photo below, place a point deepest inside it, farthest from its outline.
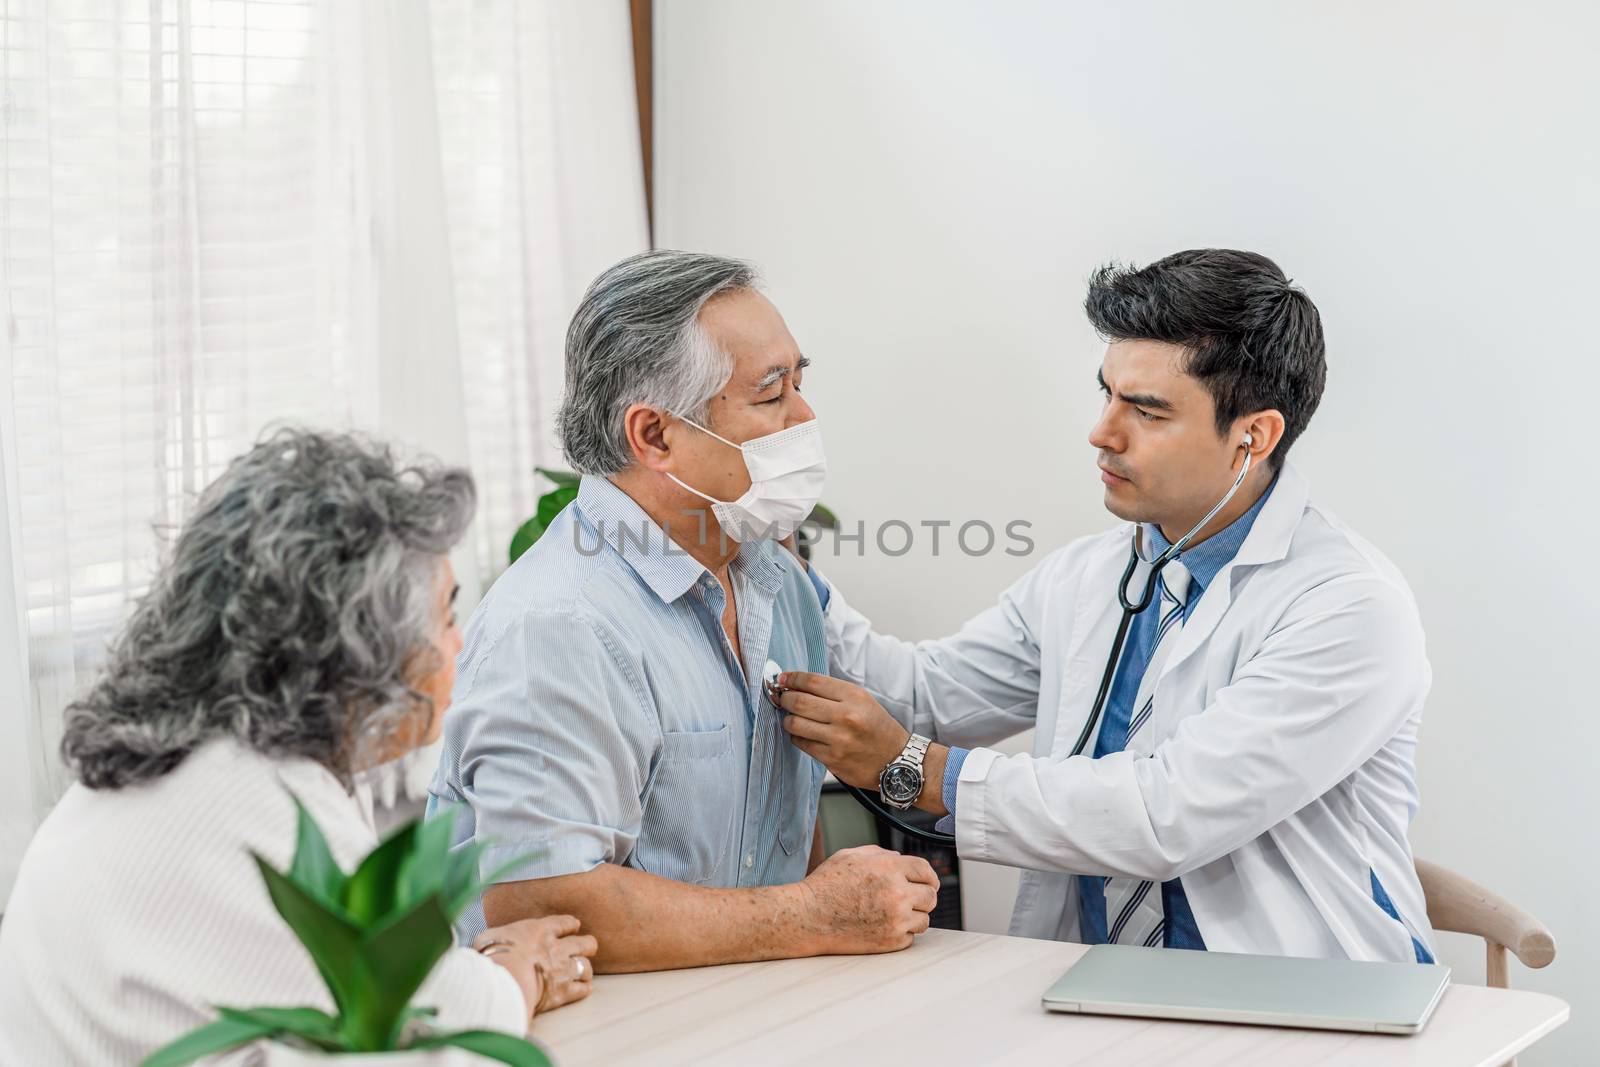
(374, 935)
(549, 506)
(566, 491)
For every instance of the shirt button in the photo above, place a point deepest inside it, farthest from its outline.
(750, 860)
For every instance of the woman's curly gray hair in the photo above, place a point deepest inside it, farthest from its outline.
(297, 601)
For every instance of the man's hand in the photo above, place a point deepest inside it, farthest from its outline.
(841, 726)
(869, 899)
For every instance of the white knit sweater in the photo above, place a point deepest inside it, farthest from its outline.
(137, 909)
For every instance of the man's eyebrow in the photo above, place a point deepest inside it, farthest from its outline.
(453, 593)
(777, 373)
(1138, 400)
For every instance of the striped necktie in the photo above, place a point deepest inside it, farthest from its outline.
(1134, 913)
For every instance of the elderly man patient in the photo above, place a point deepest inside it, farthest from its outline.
(609, 715)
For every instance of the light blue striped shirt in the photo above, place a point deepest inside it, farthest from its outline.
(600, 714)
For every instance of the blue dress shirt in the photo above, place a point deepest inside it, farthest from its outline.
(600, 714)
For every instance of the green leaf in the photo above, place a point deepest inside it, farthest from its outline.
(550, 506)
(328, 936)
(313, 867)
(220, 1036)
(396, 957)
(315, 1027)
(371, 892)
(495, 1046)
(526, 535)
(565, 479)
(462, 885)
(426, 870)
(823, 517)
(551, 503)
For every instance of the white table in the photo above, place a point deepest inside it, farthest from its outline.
(974, 998)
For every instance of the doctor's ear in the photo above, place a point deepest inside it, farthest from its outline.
(646, 428)
(1260, 433)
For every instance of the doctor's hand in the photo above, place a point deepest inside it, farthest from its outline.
(841, 726)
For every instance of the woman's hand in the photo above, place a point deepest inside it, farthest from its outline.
(550, 960)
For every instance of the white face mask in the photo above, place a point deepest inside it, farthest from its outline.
(787, 472)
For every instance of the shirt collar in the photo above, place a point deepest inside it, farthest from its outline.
(1205, 559)
(664, 565)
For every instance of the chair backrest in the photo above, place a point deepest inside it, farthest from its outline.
(1458, 904)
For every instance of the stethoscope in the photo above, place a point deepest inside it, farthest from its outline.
(1130, 608)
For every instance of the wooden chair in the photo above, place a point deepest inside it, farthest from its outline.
(1460, 905)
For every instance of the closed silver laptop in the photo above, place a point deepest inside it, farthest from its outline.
(1159, 983)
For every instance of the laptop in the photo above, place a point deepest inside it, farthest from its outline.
(1224, 987)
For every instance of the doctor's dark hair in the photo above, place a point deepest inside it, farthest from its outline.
(636, 338)
(1254, 340)
(293, 607)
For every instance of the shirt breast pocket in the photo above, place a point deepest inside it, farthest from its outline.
(688, 819)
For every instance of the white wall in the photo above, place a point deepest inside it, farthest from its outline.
(927, 185)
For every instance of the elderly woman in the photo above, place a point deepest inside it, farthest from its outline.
(302, 632)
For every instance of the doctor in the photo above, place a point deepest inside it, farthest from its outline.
(1251, 781)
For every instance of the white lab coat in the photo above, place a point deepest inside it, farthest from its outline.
(1285, 730)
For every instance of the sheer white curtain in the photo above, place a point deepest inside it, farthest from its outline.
(217, 215)
(539, 132)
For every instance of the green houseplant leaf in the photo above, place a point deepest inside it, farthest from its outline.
(209, 1040)
(372, 892)
(331, 939)
(550, 505)
(824, 517)
(426, 869)
(313, 867)
(564, 479)
(502, 1047)
(461, 883)
(310, 1025)
(374, 936)
(399, 956)
(526, 535)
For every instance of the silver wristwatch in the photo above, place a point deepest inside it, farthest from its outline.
(900, 784)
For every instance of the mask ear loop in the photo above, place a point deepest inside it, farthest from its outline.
(707, 497)
(702, 429)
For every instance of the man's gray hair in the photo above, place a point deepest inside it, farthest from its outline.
(297, 606)
(637, 339)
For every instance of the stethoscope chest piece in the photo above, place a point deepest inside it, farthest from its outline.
(769, 682)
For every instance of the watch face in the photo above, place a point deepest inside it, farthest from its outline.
(900, 783)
